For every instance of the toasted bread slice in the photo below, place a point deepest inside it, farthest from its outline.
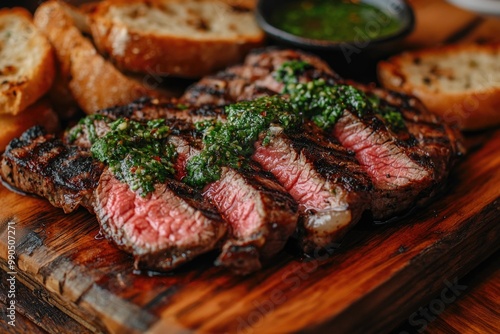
(26, 61)
(94, 82)
(459, 82)
(184, 38)
(39, 113)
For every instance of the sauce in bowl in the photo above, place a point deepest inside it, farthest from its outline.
(335, 20)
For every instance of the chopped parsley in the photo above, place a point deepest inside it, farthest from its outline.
(88, 124)
(228, 143)
(137, 154)
(325, 103)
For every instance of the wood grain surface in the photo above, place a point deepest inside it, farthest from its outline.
(474, 310)
(372, 283)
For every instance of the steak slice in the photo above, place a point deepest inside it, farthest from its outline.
(261, 215)
(252, 79)
(398, 169)
(323, 177)
(169, 227)
(40, 164)
(405, 167)
(312, 169)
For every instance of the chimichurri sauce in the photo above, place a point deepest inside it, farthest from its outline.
(137, 154)
(335, 20)
(228, 143)
(324, 104)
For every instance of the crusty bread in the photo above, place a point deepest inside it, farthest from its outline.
(26, 61)
(185, 38)
(94, 82)
(459, 82)
(39, 113)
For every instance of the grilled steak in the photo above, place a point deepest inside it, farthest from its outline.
(322, 177)
(315, 181)
(252, 79)
(40, 164)
(261, 215)
(168, 228)
(405, 167)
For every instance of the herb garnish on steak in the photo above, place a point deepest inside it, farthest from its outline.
(260, 214)
(310, 144)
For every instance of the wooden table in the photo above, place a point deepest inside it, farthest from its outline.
(469, 279)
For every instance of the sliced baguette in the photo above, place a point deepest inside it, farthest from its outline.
(184, 38)
(39, 113)
(94, 82)
(459, 82)
(26, 61)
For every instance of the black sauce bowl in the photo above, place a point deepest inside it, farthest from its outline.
(399, 9)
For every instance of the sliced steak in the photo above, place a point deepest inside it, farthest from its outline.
(319, 174)
(261, 215)
(325, 179)
(252, 79)
(405, 166)
(162, 231)
(169, 227)
(40, 164)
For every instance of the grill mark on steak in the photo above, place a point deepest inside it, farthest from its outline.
(150, 108)
(330, 201)
(149, 228)
(405, 166)
(40, 164)
(253, 79)
(331, 197)
(262, 216)
(169, 227)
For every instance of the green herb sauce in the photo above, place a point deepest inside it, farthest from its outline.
(335, 20)
(324, 104)
(228, 143)
(87, 124)
(137, 153)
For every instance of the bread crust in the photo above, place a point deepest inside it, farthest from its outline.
(166, 53)
(469, 109)
(17, 95)
(94, 82)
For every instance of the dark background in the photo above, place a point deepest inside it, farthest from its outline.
(30, 4)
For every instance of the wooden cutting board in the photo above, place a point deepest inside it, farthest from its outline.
(71, 280)
(373, 282)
